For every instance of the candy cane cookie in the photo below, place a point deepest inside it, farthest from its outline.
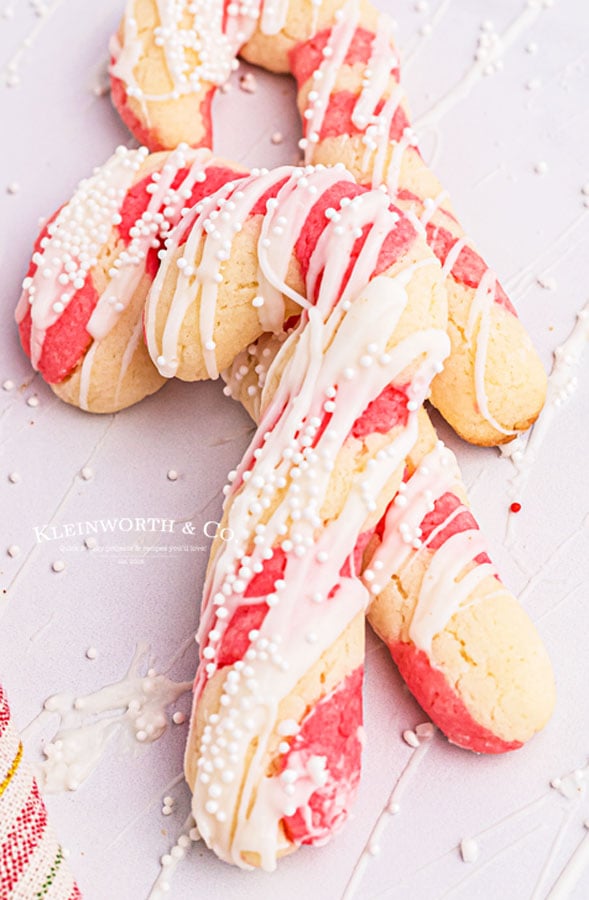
(274, 749)
(464, 645)
(81, 309)
(170, 57)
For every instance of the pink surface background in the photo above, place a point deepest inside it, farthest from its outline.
(485, 149)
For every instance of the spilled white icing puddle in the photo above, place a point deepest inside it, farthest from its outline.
(133, 710)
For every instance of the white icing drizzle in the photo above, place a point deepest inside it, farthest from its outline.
(479, 315)
(170, 861)
(83, 228)
(134, 708)
(430, 207)
(452, 257)
(384, 157)
(425, 33)
(558, 251)
(324, 78)
(562, 383)
(572, 872)
(375, 85)
(377, 137)
(73, 243)
(213, 225)
(446, 586)
(10, 71)
(128, 354)
(188, 30)
(86, 375)
(392, 808)
(524, 20)
(274, 12)
(319, 361)
(163, 209)
(376, 79)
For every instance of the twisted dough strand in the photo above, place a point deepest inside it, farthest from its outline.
(354, 111)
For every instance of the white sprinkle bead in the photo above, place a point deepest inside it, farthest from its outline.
(91, 653)
(411, 738)
(13, 550)
(86, 473)
(33, 401)
(58, 565)
(178, 718)
(172, 475)
(541, 167)
(425, 730)
(13, 187)
(90, 543)
(14, 478)
(469, 850)
(8, 385)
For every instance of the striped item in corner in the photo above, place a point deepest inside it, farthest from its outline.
(32, 865)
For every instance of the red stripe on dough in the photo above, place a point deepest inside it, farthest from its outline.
(394, 246)
(444, 506)
(306, 57)
(330, 730)
(469, 268)
(263, 582)
(137, 198)
(236, 638)
(442, 704)
(383, 413)
(22, 841)
(259, 208)
(353, 564)
(249, 617)
(316, 222)
(67, 340)
(338, 117)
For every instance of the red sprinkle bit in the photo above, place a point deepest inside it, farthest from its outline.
(515, 507)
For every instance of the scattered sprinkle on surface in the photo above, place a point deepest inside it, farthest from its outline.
(469, 850)
(411, 738)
